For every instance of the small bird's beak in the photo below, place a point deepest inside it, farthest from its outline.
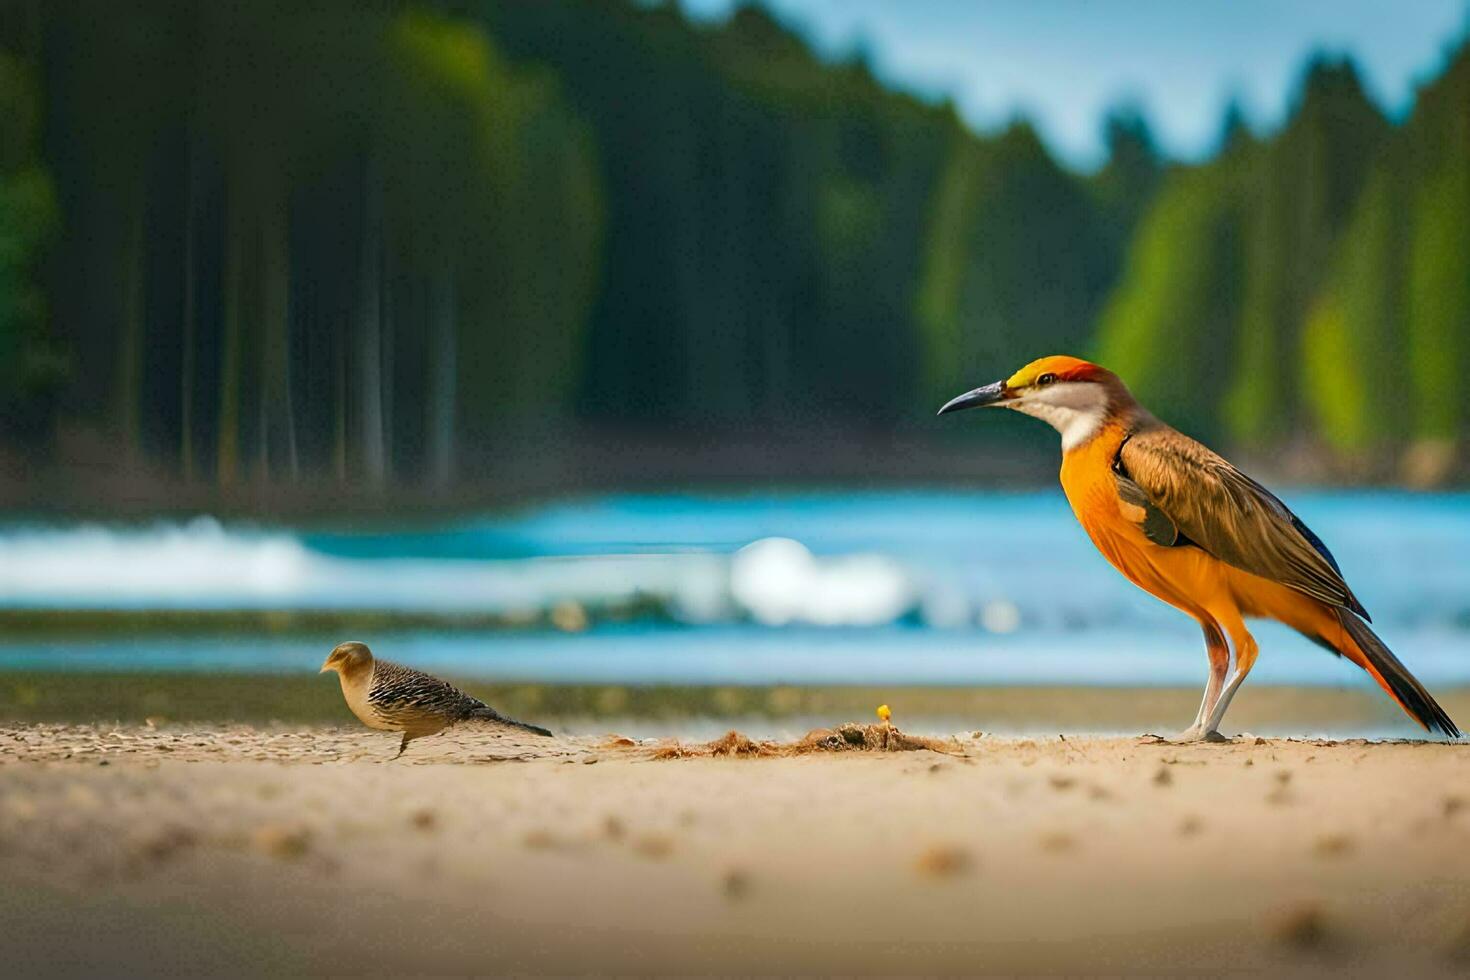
(325, 667)
(992, 394)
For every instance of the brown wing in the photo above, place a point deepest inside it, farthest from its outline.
(1135, 505)
(1234, 518)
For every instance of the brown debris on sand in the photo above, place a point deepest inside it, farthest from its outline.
(944, 860)
(871, 738)
(850, 737)
(1303, 926)
(287, 842)
(731, 744)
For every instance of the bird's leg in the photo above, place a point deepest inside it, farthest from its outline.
(401, 746)
(1245, 658)
(1219, 653)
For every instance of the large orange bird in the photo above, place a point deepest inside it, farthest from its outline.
(1183, 524)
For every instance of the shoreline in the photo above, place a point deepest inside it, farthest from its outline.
(200, 849)
(178, 697)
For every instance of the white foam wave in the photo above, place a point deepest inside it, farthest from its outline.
(202, 564)
(201, 561)
(779, 581)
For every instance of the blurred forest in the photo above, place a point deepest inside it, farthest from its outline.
(276, 250)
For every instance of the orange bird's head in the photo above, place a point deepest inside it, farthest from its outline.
(1075, 396)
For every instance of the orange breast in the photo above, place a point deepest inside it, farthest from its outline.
(1186, 578)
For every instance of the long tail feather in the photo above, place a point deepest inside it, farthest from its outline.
(488, 713)
(1391, 674)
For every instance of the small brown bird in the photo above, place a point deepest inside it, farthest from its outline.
(394, 698)
(1182, 523)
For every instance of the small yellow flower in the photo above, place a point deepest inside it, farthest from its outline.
(884, 714)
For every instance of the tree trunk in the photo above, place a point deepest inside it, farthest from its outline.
(443, 377)
(127, 410)
(369, 331)
(339, 399)
(228, 454)
(277, 412)
(387, 320)
(188, 327)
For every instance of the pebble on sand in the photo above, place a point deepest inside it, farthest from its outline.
(1303, 926)
(282, 841)
(654, 846)
(944, 860)
(166, 842)
(736, 884)
(539, 840)
(1333, 845)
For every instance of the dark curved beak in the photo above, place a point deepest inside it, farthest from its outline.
(992, 394)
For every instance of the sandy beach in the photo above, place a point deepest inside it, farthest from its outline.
(198, 849)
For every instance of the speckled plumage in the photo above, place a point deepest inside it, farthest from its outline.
(391, 697)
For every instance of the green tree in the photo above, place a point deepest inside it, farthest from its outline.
(31, 365)
(1298, 202)
(1351, 345)
(1168, 327)
(1018, 263)
(1437, 290)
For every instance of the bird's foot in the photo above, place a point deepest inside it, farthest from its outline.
(1196, 733)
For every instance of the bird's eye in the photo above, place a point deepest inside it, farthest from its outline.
(1046, 379)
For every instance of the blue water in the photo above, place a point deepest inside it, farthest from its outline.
(916, 587)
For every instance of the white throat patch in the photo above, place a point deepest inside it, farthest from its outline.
(1076, 409)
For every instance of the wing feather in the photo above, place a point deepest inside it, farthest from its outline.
(1234, 518)
(1157, 526)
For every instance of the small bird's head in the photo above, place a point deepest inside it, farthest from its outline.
(1073, 395)
(348, 658)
